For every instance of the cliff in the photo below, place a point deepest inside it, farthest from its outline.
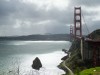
(75, 62)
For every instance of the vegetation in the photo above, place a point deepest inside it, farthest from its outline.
(56, 37)
(95, 35)
(75, 62)
(91, 71)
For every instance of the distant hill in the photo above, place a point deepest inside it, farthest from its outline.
(55, 37)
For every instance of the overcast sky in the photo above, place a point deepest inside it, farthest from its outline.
(25, 17)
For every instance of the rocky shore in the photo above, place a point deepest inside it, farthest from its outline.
(75, 62)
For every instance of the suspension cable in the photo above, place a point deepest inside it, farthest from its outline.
(85, 24)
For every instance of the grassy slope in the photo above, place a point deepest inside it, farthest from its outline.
(91, 71)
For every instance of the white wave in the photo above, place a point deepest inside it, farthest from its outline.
(30, 42)
(49, 62)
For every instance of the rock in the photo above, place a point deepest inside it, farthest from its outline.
(64, 58)
(64, 50)
(36, 64)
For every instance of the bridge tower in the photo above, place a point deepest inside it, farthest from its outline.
(77, 22)
(71, 32)
(78, 27)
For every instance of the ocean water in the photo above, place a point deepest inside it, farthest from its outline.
(16, 57)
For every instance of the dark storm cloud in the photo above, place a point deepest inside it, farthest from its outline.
(13, 11)
(6, 10)
(19, 18)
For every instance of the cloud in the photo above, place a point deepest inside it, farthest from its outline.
(24, 17)
(90, 3)
(49, 4)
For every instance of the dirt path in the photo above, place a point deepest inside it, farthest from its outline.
(70, 72)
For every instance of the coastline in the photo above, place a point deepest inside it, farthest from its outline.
(75, 62)
(26, 51)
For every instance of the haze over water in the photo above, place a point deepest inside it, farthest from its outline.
(14, 54)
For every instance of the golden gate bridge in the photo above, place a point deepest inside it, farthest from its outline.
(76, 33)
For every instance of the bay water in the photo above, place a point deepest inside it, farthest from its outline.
(16, 57)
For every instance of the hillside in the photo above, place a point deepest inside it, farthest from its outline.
(95, 35)
(75, 62)
(55, 37)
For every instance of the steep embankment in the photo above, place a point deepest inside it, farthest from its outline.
(75, 62)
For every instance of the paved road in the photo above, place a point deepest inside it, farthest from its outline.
(70, 72)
